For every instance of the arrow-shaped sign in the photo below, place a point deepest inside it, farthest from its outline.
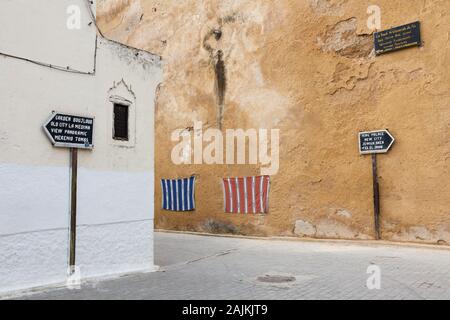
(375, 142)
(69, 131)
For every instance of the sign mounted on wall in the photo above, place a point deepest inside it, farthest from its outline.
(375, 142)
(69, 131)
(397, 38)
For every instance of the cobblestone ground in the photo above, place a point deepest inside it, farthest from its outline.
(202, 267)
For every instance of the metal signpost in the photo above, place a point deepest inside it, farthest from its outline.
(373, 142)
(74, 132)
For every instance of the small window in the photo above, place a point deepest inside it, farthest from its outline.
(120, 131)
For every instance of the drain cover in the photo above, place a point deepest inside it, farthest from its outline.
(275, 279)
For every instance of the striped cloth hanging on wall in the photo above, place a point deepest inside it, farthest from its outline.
(246, 195)
(178, 194)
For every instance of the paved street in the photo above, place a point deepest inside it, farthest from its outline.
(203, 267)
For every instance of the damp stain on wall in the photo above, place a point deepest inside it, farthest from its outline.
(217, 62)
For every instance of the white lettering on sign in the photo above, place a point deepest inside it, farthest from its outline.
(375, 142)
(70, 131)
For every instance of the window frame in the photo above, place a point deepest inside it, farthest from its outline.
(119, 99)
(127, 106)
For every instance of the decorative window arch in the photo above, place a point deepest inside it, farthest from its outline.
(122, 122)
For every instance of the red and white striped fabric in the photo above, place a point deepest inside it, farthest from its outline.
(246, 195)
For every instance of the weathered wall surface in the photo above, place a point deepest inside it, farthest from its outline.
(307, 68)
(114, 210)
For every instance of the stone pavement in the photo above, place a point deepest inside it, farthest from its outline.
(205, 267)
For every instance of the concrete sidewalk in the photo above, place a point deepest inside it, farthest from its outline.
(205, 267)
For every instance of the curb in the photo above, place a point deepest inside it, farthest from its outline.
(373, 243)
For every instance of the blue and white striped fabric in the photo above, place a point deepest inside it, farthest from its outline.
(178, 194)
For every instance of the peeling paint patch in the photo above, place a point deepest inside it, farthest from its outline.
(304, 229)
(343, 213)
(422, 234)
(327, 7)
(342, 38)
(347, 76)
(217, 226)
(132, 56)
(328, 228)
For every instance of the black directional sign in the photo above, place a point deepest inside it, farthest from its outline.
(69, 131)
(397, 38)
(375, 141)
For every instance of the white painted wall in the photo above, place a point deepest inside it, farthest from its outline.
(115, 179)
(43, 23)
